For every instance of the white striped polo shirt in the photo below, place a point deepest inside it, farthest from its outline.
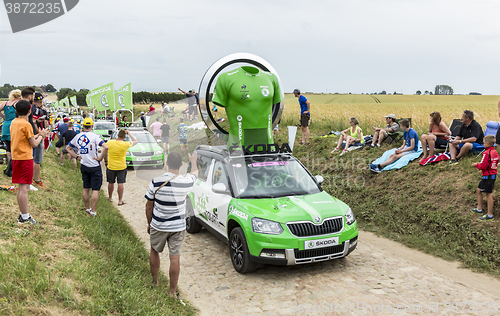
(169, 212)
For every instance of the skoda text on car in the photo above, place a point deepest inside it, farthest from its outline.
(104, 129)
(269, 209)
(147, 152)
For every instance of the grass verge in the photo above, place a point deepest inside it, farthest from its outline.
(72, 264)
(427, 208)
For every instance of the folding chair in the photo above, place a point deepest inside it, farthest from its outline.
(394, 137)
(491, 128)
(455, 126)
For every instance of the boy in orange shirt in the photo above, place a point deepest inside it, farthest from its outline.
(22, 143)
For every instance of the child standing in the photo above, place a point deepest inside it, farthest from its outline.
(22, 143)
(488, 167)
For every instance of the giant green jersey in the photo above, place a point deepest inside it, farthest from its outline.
(248, 94)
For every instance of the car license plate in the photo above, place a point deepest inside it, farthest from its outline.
(320, 243)
(144, 159)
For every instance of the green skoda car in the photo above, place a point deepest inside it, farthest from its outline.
(269, 209)
(104, 129)
(147, 152)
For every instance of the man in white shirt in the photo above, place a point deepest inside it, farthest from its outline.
(166, 215)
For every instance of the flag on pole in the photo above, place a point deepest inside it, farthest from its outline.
(123, 97)
(73, 101)
(103, 98)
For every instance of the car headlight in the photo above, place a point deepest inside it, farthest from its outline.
(158, 152)
(349, 217)
(128, 153)
(264, 226)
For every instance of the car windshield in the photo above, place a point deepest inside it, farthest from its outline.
(143, 137)
(104, 125)
(270, 177)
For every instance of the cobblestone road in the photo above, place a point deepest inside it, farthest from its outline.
(371, 281)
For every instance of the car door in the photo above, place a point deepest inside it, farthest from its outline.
(218, 203)
(202, 187)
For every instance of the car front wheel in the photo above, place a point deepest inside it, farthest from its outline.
(238, 250)
(192, 226)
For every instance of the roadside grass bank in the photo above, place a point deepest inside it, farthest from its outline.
(72, 264)
(427, 208)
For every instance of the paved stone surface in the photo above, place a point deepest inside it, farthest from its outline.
(369, 281)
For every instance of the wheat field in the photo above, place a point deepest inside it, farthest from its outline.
(332, 111)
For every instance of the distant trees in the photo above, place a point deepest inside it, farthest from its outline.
(144, 96)
(63, 92)
(418, 92)
(48, 88)
(443, 89)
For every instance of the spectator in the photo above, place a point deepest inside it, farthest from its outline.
(438, 135)
(23, 141)
(352, 136)
(381, 133)
(61, 129)
(469, 138)
(305, 115)
(28, 94)
(498, 131)
(488, 167)
(143, 120)
(191, 103)
(165, 213)
(165, 136)
(77, 127)
(183, 138)
(39, 115)
(410, 145)
(155, 128)
(152, 109)
(87, 144)
(8, 115)
(117, 167)
(67, 138)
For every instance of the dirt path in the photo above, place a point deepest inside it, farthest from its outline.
(381, 277)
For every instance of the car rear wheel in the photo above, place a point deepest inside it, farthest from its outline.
(238, 250)
(192, 226)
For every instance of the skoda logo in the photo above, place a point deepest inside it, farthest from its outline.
(239, 118)
(104, 100)
(311, 244)
(121, 100)
(317, 219)
(265, 92)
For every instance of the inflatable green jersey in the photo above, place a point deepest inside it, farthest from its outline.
(248, 94)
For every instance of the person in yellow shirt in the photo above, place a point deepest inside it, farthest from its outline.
(116, 169)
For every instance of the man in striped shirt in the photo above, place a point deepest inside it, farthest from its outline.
(166, 215)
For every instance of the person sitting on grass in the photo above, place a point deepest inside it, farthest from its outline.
(469, 138)
(410, 145)
(381, 133)
(488, 167)
(438, 135)
(351, 136)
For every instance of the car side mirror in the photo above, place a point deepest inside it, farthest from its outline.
(319, 179)
(219, 188)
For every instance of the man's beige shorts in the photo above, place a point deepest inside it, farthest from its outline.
(174, 239)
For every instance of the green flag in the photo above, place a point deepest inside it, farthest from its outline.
(103, 98)
(73, 101)
(123, 97)
(89, 101)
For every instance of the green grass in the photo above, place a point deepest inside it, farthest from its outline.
(427, 208)
(71, 263)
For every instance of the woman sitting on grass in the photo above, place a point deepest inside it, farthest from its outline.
(351, 136)
(438, 135)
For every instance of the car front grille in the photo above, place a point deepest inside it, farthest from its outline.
(308, 229)
(145, 154)
(320, 252)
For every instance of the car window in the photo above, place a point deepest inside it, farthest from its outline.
(203, 164)
(220, 174)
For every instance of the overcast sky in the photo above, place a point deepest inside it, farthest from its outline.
(356, 46)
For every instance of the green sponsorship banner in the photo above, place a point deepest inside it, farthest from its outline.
(89, 101)
(123, 97)
(64, 103)
(103, 98)
(73, 101)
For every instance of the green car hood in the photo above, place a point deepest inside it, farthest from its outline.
(143, 147)
(293, 208)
